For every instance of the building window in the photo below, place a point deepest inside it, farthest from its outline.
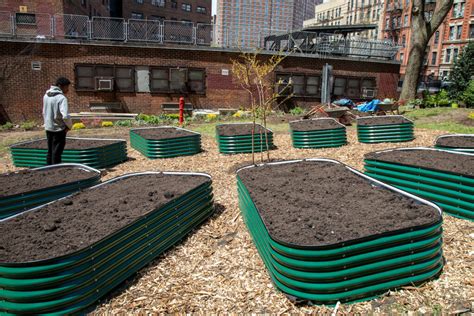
(201, 10)
(177, 80)
(459, 32)
(25, 18)
(174, 4)
(138, 1)
(452, 32)
(352, 87)
(300, 85)
(434, 57)
(455, 54)
(158, 3)
(436, 37)
(471, 31)
(405, 20)
(186, 7)
(137, 15)
(458, 9)
(402, 57)
(85, 77)
(447, 56)
(84, 3)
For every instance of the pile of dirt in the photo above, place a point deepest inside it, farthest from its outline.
(382, 120)
(71, 144)
(162, 133)
(314, 125)
(78, 221)
(322, 203)
(456, 141)
(239, 129)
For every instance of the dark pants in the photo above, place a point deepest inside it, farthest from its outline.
(56, 143)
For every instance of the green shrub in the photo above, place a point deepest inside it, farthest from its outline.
(297, 111)
(123, 123)
(28, 125)
(436, 100)
(468, 95)
(6, 126)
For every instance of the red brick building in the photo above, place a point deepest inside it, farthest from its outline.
(197, 11)
(143, 78)
(52, 7)
(446, 43)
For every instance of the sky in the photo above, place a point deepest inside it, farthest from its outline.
(214, 6)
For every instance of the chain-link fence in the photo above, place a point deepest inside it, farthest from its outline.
(178, 32)
(37, 25)
(145, 30)
(6, 25)
(71, 26)
(108, 29)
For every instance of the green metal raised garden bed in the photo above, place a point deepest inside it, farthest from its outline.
(167, 147)
(324, 138)
(97, 157)
(11, 205)
(385, 133)
(454, 193)
(348, 271)
(73, 282)
(442, 142)
(242, 144)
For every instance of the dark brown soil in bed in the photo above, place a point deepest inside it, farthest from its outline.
(322, 203)
(32, 180)
(314, 125)
(238, 129)
(162, 133)
(71, 144)
(78, 221)
(456, 141)
(382, 120)
(430, 159)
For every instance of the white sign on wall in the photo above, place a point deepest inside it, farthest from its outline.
(225, 72)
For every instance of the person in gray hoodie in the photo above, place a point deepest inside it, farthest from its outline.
(56, 119)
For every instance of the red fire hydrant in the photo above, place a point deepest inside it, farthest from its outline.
(181, 111)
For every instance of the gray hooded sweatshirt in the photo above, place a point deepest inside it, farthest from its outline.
(55, 110)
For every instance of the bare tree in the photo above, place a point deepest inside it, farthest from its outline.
(254, 74)
(423, 26)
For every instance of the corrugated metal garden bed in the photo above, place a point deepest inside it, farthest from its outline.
(33, 153)
(167, 146)
(12, 204)
(80, 273)
(381, 132)
(318, 137)
(240, 143)
(452, 190)
(456, 142)
(346, 270)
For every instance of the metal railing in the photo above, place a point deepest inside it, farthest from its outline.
(79, 27)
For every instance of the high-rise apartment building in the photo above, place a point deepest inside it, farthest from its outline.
(349, 12)
(445, 45)
(246, 22)
(329, 13)
(365, 12)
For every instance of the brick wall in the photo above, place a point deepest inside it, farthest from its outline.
(168, 12)
(57, 6)
(23, 88)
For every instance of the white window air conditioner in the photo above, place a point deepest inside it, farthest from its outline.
(104, 83)
(368, 93)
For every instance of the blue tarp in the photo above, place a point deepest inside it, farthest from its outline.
(345, 102)
(369, 106)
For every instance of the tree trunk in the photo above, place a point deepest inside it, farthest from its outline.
(421, 33)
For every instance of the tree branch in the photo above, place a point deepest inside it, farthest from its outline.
(442, 9)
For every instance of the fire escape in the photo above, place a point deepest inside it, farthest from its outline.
(394, 14)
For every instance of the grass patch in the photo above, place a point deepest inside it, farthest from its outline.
(447, 126)
(421, 113)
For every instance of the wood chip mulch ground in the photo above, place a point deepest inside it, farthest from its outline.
(217, 269)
